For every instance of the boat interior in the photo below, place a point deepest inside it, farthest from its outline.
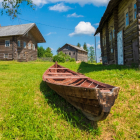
(63, 76)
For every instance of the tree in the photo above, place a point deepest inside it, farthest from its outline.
(40, 51)
(48, 52)
(78, 45)
(12, 7)
(85, 47)
(91, 54)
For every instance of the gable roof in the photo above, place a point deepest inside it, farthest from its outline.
(22, 29)
(77, 48)
(109, 10)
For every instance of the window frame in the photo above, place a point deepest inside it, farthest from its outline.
(5, 55)
(5, 43)
(127, 11)
(134, 10)
(24, 43)
(19, 43)
(29, 44)
(34, 47)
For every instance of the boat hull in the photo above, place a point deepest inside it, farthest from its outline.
(95, 105)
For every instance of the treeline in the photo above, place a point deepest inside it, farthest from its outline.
(44, 53)
(61, 57)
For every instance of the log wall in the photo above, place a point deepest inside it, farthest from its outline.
(18, 53)
(131, 37)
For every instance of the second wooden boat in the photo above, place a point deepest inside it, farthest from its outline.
(93, 98)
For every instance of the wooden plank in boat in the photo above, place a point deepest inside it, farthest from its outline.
(64, 77)
(60, 73)
(58, 68)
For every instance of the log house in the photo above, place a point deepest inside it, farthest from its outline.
(19, 42)
(119, 31)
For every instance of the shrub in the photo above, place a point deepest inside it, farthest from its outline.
(59, 58)
(72, 60)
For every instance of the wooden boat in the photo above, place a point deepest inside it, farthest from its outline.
(93, 98)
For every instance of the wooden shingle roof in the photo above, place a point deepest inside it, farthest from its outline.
(73, 46)
(22, 29)
(111, 5)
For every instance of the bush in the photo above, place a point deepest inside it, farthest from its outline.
(72, 60)
(59, 58)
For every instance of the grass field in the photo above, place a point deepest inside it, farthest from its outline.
(30, 110)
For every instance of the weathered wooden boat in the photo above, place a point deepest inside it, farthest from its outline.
(93, 98)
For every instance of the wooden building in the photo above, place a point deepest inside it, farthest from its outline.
(75, 52)
(119, 31)
(19, 42)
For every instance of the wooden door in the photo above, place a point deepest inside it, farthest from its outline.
(120, 48)
(135, 51)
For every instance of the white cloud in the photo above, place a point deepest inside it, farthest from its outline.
(74, 15)
(81, 2)
(51, 33)
(40, 2)
(83, 28)
(99, 46)
(59, 7)
(89, 45)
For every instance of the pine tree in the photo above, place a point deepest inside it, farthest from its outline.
(78, 45)
(91, 54)
(85, 47)
(48, 52)
(40, 51)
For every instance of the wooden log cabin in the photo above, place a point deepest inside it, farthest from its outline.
(19, 42)
(119, 31)
(78, 53)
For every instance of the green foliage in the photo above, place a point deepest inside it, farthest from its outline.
(40, 51)
(85, 47)
(72, 60)
(44, 53)
(12, 7)
(78, 45)
(61, 57)
(91, 54)
(48, 52)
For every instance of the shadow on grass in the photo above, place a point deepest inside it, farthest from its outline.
(86, 67)
(67, 111)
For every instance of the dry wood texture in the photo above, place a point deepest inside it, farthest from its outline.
(93, 98)
(115, 18)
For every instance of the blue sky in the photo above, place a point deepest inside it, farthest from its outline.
(63, 21)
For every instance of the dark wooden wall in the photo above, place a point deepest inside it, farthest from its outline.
(130, 34)
(18, 53)
(77, 54)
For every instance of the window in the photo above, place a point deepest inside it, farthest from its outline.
(74, 53)
(26, 34)
(135, 11)
(29, 45)
(18, 43)
(113, 33)
(69, 53)
(5, 55)
(126, 19)
(24, 44)
(7, 43)
(33, 46)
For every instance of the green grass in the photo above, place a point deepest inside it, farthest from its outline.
(31, 110)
